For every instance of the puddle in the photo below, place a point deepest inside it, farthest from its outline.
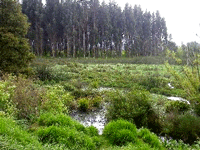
(100, 89)
(178, 99)
(170, 86)
(95, 118)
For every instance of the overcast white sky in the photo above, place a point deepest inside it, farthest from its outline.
(182, 16)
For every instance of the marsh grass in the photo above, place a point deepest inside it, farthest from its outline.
(67, 84)
(149, 138)
(120, 132)
(13, 134)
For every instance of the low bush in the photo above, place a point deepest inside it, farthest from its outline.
(71, 138)
(20, 97)
(177, 106)
(120, 132)
(54, 100)
(197, 108)
(97, 141)
(78, 93)
(94, 84)
(44, 72)
(7, 107)
(96, 101)
(185, 127)
(12, 136)
(50, 119)
(83, 104)
(180, 145)
(92, 131)
(27, 98)
(135, 107)
(153, 81)
(150, 138)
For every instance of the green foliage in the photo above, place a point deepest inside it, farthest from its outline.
(27, 98)
(96, 101)
(14, 51)
(7, 106)
(20, 97)
(50, 119)
(197, 108)
(94, 84)
(150, 138)
(180, 145)
(44, 73)
(153, 81)
(54, 100)
(120, 132)
(14, 135)
(185, 127)
(187, 79)
(135, 107)
(71, 138)
(92, 131)
(177, 106)
(83, 104)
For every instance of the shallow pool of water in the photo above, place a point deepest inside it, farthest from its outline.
(94, 118)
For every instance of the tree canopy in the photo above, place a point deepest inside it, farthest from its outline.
(14, 47)
(88, 28)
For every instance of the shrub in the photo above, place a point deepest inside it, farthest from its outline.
(27, 98)
(153, 81)
(135, 107)
(44, 72)
(15, 52)
(177, 106)
(77, 93)
(14, 135)
(92, 131)
(180, 145)
(97, 141)
(120, 132)
(7, 106)
(71, 138)
(83, 104)
(185, 127)
(68, 87)
(50, 119)
(54, 100)
(149, 138)
(22, 97)
(94, 84)
(197, 108)
(96, 101)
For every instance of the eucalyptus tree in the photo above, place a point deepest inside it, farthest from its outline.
(103, 28)
(129, 28)
(34, 10)
(138, 32)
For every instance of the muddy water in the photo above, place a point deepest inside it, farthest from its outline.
(94, 118)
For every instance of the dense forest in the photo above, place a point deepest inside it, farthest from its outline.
(88, 28)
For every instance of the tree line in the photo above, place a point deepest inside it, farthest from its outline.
(88, 28)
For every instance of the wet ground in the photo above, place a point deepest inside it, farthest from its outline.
(97, 118)
(94, 118)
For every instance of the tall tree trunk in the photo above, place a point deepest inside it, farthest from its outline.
(84, 43)
(74, 46)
